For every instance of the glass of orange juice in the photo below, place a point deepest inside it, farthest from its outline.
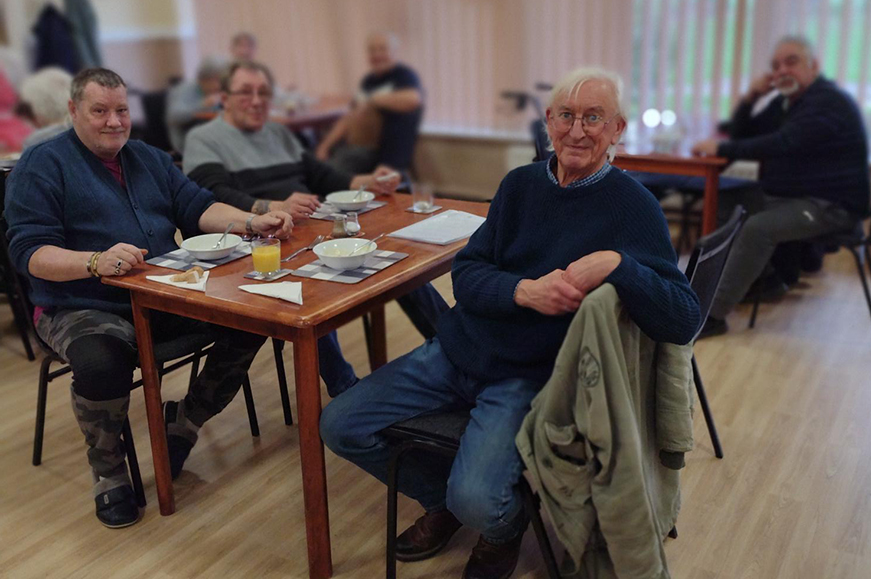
(267, 255)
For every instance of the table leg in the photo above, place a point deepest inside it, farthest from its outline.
(311, 449)
(153, 407)
(709, 210)
(378, 350)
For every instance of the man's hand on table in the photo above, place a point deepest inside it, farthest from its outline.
(550, 294)
(275, 223)
(300, 206)
(382, 181)
(119, 259)
(706, 148)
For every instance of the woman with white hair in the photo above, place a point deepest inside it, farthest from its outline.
(556, 230)
(47, 94)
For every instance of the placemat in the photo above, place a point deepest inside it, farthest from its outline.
(182, 260)
(374, 263)
(327, 212)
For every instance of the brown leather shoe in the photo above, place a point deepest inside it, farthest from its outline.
(489, 561)
(427, 536)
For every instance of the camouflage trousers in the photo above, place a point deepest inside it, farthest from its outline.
(102, 382)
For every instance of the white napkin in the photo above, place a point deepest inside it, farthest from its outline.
(289, 291)
(200, 286)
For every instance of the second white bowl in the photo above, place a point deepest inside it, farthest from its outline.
(344, 200)
(336, 253)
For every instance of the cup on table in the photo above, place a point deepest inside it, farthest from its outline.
(266, 253)
(352, 224)
(422, 197)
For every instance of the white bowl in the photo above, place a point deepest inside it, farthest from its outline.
(328, 252)
(344, 200)
(203, 246)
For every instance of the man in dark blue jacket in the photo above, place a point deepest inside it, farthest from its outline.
(90, 203)
(814, 179)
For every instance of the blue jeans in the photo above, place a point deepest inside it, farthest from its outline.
(480, 487)
(338, 375)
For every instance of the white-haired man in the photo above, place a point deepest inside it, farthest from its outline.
(383, 123)
(814, 167)
(518, 285)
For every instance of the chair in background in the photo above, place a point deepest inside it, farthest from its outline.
(440, 434)
(704, 271)
(859, 245)
(11, 287)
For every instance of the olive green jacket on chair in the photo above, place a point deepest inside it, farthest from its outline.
(605, 439)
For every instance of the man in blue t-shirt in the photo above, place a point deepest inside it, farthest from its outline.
(382, 126)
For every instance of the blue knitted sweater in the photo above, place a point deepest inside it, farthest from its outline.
(535, 227)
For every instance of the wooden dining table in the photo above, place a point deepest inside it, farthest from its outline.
(326, 306)
(680, 162)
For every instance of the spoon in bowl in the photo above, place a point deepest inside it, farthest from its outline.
(221, 241)
(370, 242)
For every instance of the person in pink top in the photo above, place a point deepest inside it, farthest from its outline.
(13, 130)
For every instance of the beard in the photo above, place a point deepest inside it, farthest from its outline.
(787, 87)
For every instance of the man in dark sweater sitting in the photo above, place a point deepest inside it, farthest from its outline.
(556, 230)
(89, 203)
(259, 166)
(813, 151)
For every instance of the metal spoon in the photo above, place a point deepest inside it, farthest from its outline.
(359, 192)
(371, 241)
(221, 241)
(311, 245)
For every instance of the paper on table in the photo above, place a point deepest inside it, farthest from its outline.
(200, 286)
(289, 291)
(442, 229)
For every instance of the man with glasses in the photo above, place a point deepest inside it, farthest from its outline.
(556, 230)
(259, 166)
(813, 179)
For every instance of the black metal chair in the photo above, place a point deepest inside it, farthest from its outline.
(703, 272)
(859, 245)
(440, 434)
(11, 287)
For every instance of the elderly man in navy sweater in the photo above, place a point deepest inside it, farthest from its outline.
(556, 230)
(89, 203)
(813, 151)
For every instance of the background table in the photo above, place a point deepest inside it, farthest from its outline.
(326, 306)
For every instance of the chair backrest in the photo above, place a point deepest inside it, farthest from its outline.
(540, 139)
(709, 258)
(156, 132)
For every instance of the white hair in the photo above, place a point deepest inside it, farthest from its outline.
(571, 83)
(798, 40)
(47, 92)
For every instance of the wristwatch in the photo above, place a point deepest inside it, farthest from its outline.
(248, 229)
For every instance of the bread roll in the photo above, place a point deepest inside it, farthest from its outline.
(193, 275)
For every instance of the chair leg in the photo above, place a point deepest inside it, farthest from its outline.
(862, 277)
(756, 300)
(277, 349)
(249, 403)
(367, 334)
(392, 500)
(133, 464)
(195, 368)
(41, 396)
(531, 505)
(709, 418)
(19, 313)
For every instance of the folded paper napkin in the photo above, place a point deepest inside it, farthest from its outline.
(289, 291)
(200, 286)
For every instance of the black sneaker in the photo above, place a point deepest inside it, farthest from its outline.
(713, 327)
(179, 447)
(117, 508)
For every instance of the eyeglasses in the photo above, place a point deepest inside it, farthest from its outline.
(248, 94)
(592, 123)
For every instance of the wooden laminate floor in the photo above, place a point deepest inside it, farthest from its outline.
(792, 499)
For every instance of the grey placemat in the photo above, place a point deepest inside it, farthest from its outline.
(327, 212)
(182, 260)
(374, 263)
